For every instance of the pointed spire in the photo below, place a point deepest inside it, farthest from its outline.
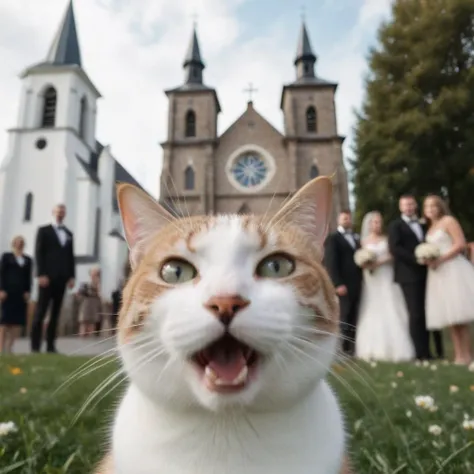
(193, 64)
(305, 58)
(65, 48)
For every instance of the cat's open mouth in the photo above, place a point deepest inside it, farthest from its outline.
(227, 365)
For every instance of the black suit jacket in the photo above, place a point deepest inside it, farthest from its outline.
(402, 242)
(54, 260)
(14, 278)
(339, 261)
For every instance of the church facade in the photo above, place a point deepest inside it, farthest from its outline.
(54, 157)
(251, 167)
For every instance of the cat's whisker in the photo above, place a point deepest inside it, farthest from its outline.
(88, 370)
(334, 374)
(102, 386)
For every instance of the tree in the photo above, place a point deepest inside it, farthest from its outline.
(415, 132)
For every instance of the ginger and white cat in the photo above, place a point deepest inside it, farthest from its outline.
(228, 328)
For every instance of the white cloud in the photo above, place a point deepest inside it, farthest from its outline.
(133, 50)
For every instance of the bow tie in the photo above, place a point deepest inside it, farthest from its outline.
(60, 227)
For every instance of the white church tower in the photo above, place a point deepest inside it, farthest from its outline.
(53, 157)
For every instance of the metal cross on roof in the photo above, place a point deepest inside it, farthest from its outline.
(250, 90)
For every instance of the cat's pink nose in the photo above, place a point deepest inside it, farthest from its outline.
(226, 307)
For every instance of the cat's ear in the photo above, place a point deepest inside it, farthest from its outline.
(141, 216)
(310, 209)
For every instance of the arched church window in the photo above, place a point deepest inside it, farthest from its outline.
(189, 178)
(313, 172)
(28, 207)
(49, 107)
(190, 125)
(311, 119)
(83, 118)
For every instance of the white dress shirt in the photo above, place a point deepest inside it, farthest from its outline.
(348, 235)
(414, 225)
(60, 232)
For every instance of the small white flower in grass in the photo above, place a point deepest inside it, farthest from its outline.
(424, 401)
(394, 385)
(471, 367)
(453, 389)
(418, 363)
(466, 416)
(435, 430)
(426, 363)
(434, 367)
(433, 409)
(445, 362)
(7, 427)
(409, 413)
(400, 374)
(373, 364)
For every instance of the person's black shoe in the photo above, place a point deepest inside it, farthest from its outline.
(52, 350)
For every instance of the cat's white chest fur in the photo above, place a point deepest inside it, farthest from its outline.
(306, 439)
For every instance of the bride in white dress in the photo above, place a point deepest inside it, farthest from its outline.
(382, 328)
(450, 285)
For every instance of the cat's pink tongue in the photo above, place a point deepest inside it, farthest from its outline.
(227, 365)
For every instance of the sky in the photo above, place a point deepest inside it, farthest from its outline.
(134, 49)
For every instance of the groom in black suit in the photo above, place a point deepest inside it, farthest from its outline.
(55, 267)
(346, 276)
(404, 235)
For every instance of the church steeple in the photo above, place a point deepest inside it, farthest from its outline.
(65, 47)
(305, 58)
(193, 65)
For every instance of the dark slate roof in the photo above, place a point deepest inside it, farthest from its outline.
(194, 54)
(65, 48)
(89, 170)
(122, 176)
(304, 50)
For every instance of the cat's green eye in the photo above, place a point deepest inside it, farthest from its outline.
(176, 271)
(276, 266)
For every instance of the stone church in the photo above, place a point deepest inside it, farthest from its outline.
(251, 166)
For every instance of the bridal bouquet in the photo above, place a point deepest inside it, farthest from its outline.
(363, 257)
(426, 252)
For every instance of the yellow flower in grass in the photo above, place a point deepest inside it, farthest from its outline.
(471, 388)
(338, 368)
(15, 370)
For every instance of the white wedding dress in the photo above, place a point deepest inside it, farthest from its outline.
(450, 288)
(382, 328)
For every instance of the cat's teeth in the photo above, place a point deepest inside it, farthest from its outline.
(242, 377)
(210, 374)
(239, 380)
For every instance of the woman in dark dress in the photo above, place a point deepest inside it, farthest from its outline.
(15, 287)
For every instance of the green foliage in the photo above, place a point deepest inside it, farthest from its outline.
(388, 433)
(415, 133)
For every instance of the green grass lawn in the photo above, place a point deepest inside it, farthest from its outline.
(389, 433)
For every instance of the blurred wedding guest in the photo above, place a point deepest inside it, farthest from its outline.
(450, 287)
(90, 306)
(56, 269)
(117, 294)
(15, 287)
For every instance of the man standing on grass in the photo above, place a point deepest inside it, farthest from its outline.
(55, 268)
